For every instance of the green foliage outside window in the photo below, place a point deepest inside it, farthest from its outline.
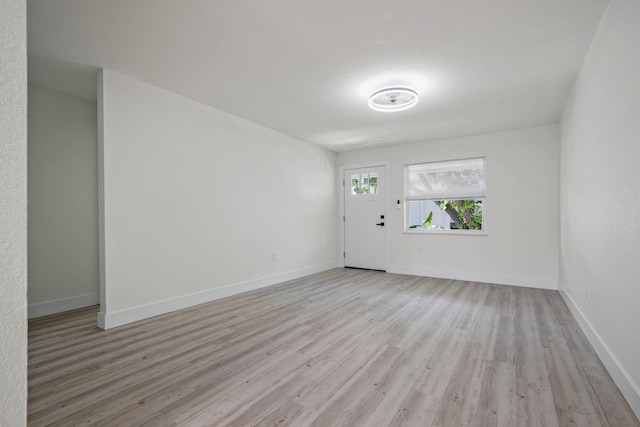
(364, 184)
(465, 214)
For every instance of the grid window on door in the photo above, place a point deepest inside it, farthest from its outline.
(364, 183)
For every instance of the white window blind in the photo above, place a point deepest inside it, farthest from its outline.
(455, 179)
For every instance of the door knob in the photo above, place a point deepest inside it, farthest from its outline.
(381, 224)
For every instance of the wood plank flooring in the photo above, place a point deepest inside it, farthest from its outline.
(340, 348)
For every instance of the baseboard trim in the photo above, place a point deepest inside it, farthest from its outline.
(134, 314)
(627, 386)
(499, 279)
(62, 305)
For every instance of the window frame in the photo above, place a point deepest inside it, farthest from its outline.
(363, 195)
(456, 232)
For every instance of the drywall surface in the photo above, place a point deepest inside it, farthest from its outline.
(63, 196)
(196, 199)
(13, 215)
(600, 187)
(521, 207)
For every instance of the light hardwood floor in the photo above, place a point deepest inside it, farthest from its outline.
(344, 347)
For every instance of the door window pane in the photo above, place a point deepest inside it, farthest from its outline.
(366, 183)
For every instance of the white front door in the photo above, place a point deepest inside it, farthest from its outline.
(364, 218)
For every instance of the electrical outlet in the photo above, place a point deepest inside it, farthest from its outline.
(420, 249)
(274, 257)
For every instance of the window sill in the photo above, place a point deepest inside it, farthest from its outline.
(448, 232)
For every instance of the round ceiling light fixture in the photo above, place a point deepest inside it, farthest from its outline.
(393, 99)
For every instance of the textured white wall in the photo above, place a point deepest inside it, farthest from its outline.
(600, 186)
(13, 213)
(196, 199)
(521, 247)
(63, 196)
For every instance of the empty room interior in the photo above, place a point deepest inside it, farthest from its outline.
(420, 213)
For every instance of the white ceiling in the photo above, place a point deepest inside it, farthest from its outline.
(307, 68)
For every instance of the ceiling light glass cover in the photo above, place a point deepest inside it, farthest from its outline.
(393, 99)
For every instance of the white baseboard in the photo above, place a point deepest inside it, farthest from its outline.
(119, 318)
(62, 305)
(498, 279)
(627, 386)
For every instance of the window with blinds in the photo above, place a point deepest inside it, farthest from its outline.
(447, 195)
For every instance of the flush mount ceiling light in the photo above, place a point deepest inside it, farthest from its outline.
(393, 99)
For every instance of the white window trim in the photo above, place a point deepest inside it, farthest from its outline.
(418, 231)
(447, 232)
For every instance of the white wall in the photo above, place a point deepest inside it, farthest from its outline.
(197, 199)
(13, 213)
(521, 247)
(600, 162)
(63, 198)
